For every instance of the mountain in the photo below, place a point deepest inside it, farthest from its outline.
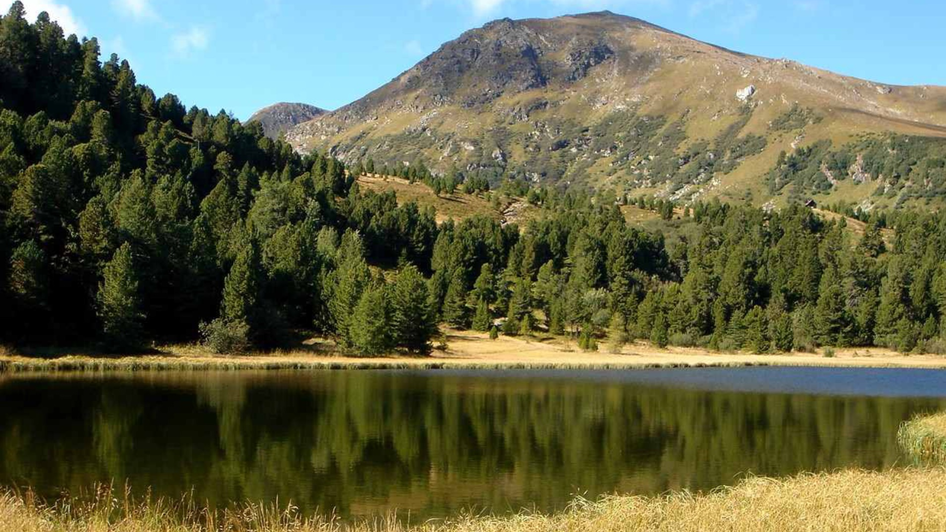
(611, 101)
(279, 118)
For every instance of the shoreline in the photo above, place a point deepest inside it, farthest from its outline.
(466, 350)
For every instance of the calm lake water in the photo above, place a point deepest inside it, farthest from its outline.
(433, 443)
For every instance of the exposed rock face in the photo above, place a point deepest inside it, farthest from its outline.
(279, 118)
(743, 95)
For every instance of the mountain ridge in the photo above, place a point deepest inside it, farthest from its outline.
(278, 118)
(594, 99)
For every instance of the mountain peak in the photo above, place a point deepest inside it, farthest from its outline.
(610, 100)
(280, 117)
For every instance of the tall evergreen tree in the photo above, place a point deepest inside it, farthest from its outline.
(119, 306)
(370, 327)
(411, 320)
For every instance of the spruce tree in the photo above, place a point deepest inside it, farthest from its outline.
(370, 326)
(347, 283)
(831, 317)
(756, 331)
(617, 333)
(780, 325)
(482, 320)
(119, 306)
(659, 334)
(455, 309)
(411, 320)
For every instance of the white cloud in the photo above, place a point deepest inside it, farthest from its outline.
(733, 14)
(58, 12)
(414, 48)
(192, 40)
(808, 5)
(139, 10)
(271, 10)
(702, 6)
(482, 8)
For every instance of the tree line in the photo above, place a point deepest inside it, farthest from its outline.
(127, 219)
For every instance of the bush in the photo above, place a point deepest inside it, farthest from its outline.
(829, 352)
(226, 337)
(683, 340)
(935, 346)
(587, 341)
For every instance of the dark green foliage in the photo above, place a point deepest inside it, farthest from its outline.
(238, 232)
(456, 312)
(482, 321)
(119, 303)
(370, 327)
(411, 320)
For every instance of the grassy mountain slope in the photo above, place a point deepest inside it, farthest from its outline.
(607, 100)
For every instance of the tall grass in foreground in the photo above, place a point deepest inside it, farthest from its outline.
(901, 500)
(924, 438)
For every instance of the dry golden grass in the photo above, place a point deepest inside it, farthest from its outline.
(456, 206)
(466, 349)
(902, 500)
(924, 438)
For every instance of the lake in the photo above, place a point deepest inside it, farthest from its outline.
(434, 443)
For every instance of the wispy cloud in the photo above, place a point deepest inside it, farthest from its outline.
(61, 13)
(809, 5)
(271, 9)
(414, 48)
(193, 40)
(483, 8)
(734, 15)
(139, 10)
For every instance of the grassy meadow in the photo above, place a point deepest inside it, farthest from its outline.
(903, 500)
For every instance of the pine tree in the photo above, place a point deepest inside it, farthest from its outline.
(780, 325)
(803, 326)
(347, 283)
(756, 335)
(119, 306)
(411, 320)
(525, 325)
(370, 327)
(455, 309)
(831, 318)
(556, 317)
(617, 333)
(659, 334)
(482, 320)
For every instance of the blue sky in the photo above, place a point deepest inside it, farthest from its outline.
(241, 55)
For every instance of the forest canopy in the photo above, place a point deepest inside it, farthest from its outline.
(128, 219)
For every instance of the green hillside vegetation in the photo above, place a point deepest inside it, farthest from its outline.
(127, 219)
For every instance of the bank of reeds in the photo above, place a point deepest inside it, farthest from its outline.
(898, 500)
(924, 438)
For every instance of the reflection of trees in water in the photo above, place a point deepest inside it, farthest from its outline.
(365, 441)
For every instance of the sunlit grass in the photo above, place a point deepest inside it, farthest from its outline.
(924, 438)
(902, 500)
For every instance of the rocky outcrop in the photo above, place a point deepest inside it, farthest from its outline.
(279, 118)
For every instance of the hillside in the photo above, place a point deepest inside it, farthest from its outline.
(279, 118)
(607, 100)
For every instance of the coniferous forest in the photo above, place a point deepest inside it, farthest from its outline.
(127, 219)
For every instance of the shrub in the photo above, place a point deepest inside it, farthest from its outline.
(682, 340)
(829, 352)
(226, 337)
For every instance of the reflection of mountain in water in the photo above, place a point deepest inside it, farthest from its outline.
(367, 442)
